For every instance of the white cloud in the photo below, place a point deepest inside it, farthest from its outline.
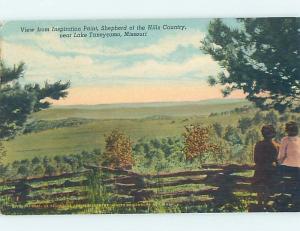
(150, 68)
(43, 65)
(51, 42)
(166, 45)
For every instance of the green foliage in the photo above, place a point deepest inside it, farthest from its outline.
(258, 118)
(16, 105)
(157, 155)
(43, 125)
(244, 123)
(97, 191)
(38, 170)
(2, 152)
(38, 167)
(54, 91)
(50, 170)
(18, 102)
(245, 109)
(232, 135)
(218, 129)
(252, 136)
(259, 56)
(272, 118)
(8, 75)
(24, 170)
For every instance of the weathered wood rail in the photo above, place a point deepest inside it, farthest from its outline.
(217, 184)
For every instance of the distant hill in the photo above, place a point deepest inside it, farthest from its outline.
(153, 104)
(141, 110)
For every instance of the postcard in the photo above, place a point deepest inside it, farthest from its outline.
(149, 116)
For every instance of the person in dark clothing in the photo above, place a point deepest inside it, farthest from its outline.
(265, 158)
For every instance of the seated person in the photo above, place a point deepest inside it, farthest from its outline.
(289, 152)
(265, 156)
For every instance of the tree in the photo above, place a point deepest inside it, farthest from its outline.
(65, 168)
(218, 129)
(46, 161)
(50, 170)
(24, 170)
(118, 150)
(261, 57)
(2, 152)
(36, 161)
(198, 142)
(258, 118)
(17, 102)
(232, 135)
(272, 118)
(58, 160)
(251, 137)
(244, 123)
(155, 143)
(285, 118)
(3, 171)
(38, 170)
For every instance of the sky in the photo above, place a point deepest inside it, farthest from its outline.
(165, 65)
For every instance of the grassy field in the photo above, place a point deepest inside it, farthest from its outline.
(153, 120)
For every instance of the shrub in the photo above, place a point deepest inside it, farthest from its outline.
(2, 152)
(118, 150)
(199, 141)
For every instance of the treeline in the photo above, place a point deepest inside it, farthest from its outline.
(246, 123)
(49, 166)
(42, 125)
(238, 110)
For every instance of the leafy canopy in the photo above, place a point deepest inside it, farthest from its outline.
(17, 102)
(199, 142)
(261, 57)
(118, 150)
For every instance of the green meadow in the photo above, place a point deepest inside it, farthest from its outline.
(136, 120)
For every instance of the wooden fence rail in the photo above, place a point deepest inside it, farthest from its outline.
(218, 184)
